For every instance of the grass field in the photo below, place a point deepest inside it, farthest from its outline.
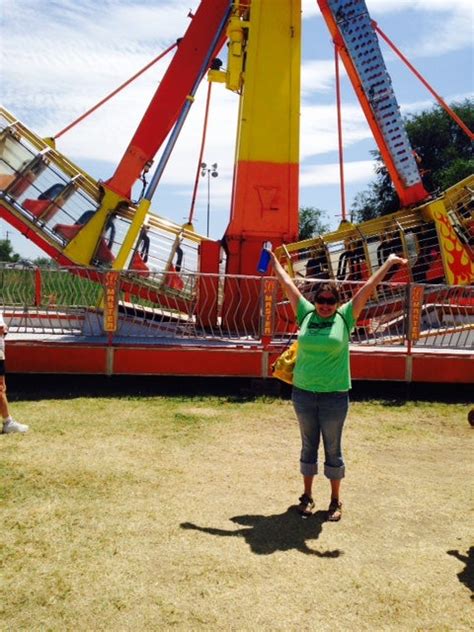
(17, 288)
(160, 513)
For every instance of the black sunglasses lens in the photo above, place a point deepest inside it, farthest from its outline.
(326, 301)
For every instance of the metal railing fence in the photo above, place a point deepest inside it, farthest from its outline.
(220, 308)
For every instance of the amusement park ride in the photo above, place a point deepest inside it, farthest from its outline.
(173, 302)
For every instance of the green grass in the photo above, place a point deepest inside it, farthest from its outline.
(157, 513)
(58, 287)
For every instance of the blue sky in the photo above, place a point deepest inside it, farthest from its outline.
(59, 58)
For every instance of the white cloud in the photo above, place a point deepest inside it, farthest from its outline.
(390, 6)
(318, 76)
(60, 59)
(415, 107)
(319, 128)
(360, 171)
(310, 8)
(453, 32)
(445, 27)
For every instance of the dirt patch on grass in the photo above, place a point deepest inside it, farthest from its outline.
(162, 513)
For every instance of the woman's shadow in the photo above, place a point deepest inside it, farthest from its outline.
(280, 532)
(466, 576)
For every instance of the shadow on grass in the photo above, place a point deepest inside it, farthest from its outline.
(44, 386)
(396, 394)
(466, 576)
(50, 386)
(280, 532)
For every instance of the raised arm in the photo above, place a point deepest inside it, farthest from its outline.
(291, 291)
(363, 294)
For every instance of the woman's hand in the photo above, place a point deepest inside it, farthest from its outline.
(394, 259)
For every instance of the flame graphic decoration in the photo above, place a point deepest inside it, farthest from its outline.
(458, 263)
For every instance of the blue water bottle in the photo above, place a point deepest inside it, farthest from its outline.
(264, 257)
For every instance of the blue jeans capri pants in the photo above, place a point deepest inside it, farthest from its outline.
(321, 414)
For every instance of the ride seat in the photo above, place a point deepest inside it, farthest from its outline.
(68, 232)
(139, 265)
(104, 254)
(49, 201)
(173, 280)
(38, 207)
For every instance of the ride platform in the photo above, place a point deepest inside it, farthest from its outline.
(432, 342)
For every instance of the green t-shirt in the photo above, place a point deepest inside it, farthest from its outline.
(322, 363)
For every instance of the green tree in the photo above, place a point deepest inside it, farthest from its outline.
(311, 222)
(445, 154)
(6, 251)
(45, 262)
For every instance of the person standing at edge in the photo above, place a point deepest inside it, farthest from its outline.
(9, 425)
(321, 378)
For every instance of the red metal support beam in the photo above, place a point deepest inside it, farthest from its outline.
(339, 134)
(175, 87)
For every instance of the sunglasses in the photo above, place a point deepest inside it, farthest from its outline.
(326, 300)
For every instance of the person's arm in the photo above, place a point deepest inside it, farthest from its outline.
(363, 294)
(287, 283)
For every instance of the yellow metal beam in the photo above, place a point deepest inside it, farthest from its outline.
(132, 235)
(272, 90)
(82, 248)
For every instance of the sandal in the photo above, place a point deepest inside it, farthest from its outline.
(335, 510)
(306, 506)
